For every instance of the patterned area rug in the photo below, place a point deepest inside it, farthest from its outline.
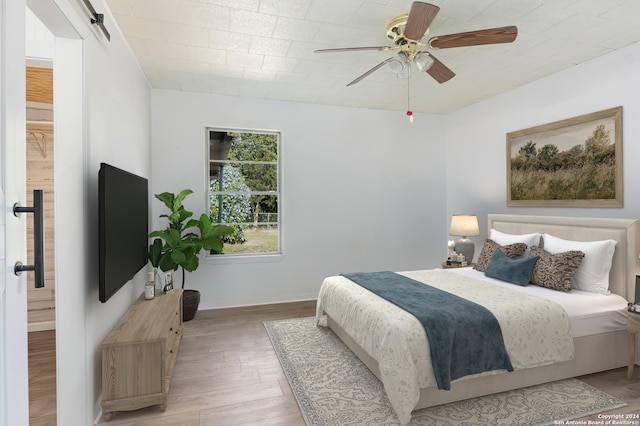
(333, 388)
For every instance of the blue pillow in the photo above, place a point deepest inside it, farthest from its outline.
(515, 271)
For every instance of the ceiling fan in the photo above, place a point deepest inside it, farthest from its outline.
(406, 32)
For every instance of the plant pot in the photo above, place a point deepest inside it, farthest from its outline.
(190, 302)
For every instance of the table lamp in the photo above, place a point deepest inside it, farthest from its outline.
(464, 225)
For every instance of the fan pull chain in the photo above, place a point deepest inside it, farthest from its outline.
(409, 112)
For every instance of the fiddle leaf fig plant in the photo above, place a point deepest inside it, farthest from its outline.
(179, 244)
(211, 234)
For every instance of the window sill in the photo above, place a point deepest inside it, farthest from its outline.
(243, 258)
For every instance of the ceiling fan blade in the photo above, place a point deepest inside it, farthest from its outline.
(420, 17)
(351, 49)
(372, 70)
(439, 71)
(475, 38)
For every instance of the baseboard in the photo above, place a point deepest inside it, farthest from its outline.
(98, 417)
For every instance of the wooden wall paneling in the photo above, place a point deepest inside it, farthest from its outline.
(41, 302)
(39, 85)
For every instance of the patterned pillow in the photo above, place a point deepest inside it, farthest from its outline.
(593, 273)
(514, 251)
(555, 270)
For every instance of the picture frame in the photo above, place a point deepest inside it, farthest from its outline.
(168, 281)
(576, 162)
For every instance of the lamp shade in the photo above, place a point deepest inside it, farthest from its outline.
(464, 225)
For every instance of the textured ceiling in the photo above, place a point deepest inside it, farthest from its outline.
(265, 48)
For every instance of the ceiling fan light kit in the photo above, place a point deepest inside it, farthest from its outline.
(397, 64)
(423, 61)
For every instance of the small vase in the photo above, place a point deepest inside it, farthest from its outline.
(158, 280)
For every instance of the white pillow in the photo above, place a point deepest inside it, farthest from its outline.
(506, 239)
(593, 273)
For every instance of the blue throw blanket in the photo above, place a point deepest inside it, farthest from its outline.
(464, 337)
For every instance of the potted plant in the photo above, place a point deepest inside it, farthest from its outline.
(178, 245)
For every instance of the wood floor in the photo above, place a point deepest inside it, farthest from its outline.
(42, 378)
(227, 374)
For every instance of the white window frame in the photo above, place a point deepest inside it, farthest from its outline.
(246, 257)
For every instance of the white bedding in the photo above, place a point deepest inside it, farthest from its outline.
(589, 313)
(398, 342)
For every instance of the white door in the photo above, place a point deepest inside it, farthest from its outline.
(14, 379)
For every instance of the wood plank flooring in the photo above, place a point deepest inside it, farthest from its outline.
(227, 374)
(42, 378)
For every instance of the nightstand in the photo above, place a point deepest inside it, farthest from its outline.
(633, 327)
(445, 266)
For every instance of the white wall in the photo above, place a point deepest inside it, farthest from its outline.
(118, 133)
(362, 190)
(476, 135)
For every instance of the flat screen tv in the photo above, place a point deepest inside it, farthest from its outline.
(123, 221)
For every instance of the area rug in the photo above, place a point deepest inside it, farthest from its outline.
(333, 387)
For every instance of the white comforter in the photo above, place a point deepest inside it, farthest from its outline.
(536, 331)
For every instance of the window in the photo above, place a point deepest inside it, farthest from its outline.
(244, 189)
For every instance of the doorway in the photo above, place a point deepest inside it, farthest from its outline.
(39, 146)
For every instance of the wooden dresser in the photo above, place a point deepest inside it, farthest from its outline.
(139, 354)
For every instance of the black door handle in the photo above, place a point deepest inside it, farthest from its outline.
(38, 238)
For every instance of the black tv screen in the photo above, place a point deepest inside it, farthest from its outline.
(123, 221)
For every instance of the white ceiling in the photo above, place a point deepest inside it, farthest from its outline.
(265, 48)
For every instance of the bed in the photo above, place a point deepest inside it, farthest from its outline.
(598, 333)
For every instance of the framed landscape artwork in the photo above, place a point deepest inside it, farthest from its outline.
(575, 162)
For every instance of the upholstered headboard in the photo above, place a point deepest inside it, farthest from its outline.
(626, 232)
